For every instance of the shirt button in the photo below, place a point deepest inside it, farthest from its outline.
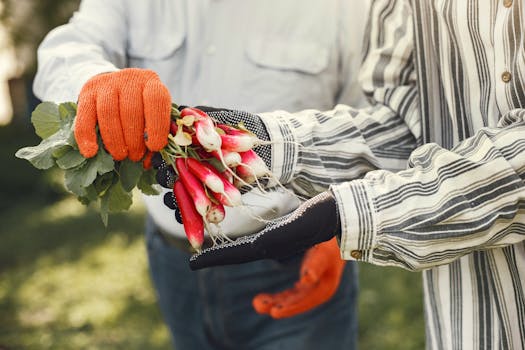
(356, 254)
(506, 77)
(507, 3)
(211, 50)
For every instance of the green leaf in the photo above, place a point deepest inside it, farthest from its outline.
(67, 111)
(79, 178)
(105, 162)
(103, 182)
(115, 199)
(130, 173)
(71, 159)
(100, 164)
(41, 156)
(91, 193)
(148, 183)
(69, 133)
(61, 151)
(104, 210)
(84, 200)
(88, 172)
(118, 198)
(46, 119)
(90, 196)
(73, 180)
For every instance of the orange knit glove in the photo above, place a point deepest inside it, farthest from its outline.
(132, 108)
(321, 272)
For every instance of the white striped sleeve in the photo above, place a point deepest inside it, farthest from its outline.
(314, 149)
(446, 205)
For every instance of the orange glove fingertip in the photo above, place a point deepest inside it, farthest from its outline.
(146, 162)
(263, 303)
(157, 110)
(321, 272)
(85, 126)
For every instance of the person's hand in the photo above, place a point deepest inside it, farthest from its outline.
(315, 221)
(251, 122)
(321, 271)
(166, 174)
(132, 110)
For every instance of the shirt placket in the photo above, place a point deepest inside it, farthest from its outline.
(503, 66)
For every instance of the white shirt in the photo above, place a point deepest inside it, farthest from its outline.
(248, 55)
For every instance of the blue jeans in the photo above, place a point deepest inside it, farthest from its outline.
(212, 308)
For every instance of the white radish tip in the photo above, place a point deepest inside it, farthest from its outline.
(215, 184)
(195, 244)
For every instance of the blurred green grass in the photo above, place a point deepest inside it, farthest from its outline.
(66, 282)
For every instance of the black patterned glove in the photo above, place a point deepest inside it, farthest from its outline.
(315, 221)
(166, 177)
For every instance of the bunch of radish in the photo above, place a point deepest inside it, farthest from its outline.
(211, 161)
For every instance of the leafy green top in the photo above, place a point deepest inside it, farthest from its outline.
(98, 179)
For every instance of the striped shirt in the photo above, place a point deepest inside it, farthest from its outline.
(446, 79)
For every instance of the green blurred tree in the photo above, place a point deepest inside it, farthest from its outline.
(28, 21)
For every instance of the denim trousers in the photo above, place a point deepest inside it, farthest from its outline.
(212, 308)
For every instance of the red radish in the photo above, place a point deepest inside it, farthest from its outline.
(207, 135)
(232, 159)
(252, 165)
(246, 174)
(205, 131)
(203, 154)
(173, 127)
(237, 139)
(227, 175)
(216, 213)
(239, 142)
(194, 187)
(231, 195)
(194, 112)
(205, 175)
(251, 169)
(196, 142)
(191, 219)
(230, 130)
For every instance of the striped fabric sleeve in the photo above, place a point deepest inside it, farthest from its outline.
(314, 149)
(445, 205)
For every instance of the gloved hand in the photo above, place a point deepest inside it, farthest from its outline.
(321, 272)
(166, 177)
(132, 109)
(166, 174)
(313, 222)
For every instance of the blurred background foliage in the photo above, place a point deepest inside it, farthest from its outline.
(66, 282)
(28, 21)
